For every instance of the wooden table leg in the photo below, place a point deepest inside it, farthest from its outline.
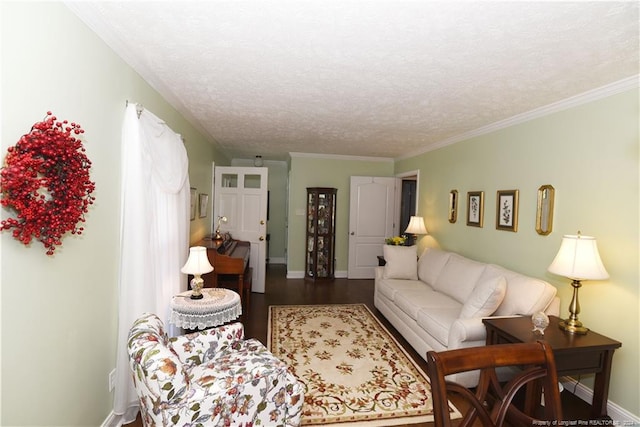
(601, 387)
(241, 287)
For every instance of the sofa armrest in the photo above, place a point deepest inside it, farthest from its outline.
(198, 347)
(466, 330)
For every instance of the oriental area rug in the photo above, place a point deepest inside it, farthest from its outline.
(355, 372)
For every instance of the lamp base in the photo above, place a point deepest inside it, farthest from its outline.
(410, 239)
(573, 327)
(196, 286)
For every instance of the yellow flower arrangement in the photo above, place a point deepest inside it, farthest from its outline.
(396, 240)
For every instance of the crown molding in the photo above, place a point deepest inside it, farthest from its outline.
(614, 88)
(340, 157)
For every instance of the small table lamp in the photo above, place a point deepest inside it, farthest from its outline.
(197, 264)
(578, 259)
(416, 226)
(218, 236)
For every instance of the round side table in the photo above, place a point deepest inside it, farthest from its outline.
(218, 306)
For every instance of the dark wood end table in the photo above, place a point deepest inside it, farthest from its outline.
(574, 354)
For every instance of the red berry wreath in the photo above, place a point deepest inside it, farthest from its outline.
(45, 180)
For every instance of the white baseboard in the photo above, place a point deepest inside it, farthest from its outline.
(274, 260)
(112, 420)
(617, 413)
(295, 274)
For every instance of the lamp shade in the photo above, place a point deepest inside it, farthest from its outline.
(416, 226)
(198, 263)
(578, 259)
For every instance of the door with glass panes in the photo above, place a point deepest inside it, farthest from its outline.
(241, 197)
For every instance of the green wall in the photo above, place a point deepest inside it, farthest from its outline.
(590, 155)
(277, 224)
(59, 313)
(328, 171)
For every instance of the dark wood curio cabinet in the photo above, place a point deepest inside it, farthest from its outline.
(321, 241)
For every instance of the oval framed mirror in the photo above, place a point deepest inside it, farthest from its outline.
(544, 211)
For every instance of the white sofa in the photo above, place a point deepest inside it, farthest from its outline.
(437, 302)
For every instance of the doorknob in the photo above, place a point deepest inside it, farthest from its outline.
(352, 233)
(261, 238)
(262, 222)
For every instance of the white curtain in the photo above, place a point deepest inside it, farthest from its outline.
(154, 234)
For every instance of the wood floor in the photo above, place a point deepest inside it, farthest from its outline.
(282, 291)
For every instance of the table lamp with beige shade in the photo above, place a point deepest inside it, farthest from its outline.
(197, 265)
(578, 259)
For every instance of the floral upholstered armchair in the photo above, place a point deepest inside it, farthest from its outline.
(210, 378)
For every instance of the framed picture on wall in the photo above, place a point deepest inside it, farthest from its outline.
(204, 202)
(475, 208)
(193, 203)
(507, 210)
(453, 206)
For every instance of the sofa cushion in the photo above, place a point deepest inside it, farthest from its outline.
(485, 298)
(390, 287)
(413, 301)
(402, 262)
(431, 263)
(437, 322)
(524, 296)
(458, 277)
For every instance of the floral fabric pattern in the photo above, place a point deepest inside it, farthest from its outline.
(210, 378)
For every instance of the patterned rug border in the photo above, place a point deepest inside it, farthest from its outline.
(369, 423)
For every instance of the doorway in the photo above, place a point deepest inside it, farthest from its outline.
(407, 202)
(240, 208)
(408, 198)
(372, 218)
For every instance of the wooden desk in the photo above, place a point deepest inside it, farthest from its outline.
(240, 283)
(574, 354)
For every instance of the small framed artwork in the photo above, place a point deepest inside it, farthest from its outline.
(507, 210)
(193, 203)
(204, 202)
(475, 208)
(453, 206)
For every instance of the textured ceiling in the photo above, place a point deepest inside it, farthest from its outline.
(364, 78)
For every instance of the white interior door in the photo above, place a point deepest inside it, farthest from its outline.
(241, 196)
(372, 217)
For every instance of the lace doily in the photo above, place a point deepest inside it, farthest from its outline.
(218, 306)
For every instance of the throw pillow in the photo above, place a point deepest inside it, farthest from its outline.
(458, 277)
(402, 262)
(431, 264)
(485, 298)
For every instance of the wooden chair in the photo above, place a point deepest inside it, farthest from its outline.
(492, 402)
